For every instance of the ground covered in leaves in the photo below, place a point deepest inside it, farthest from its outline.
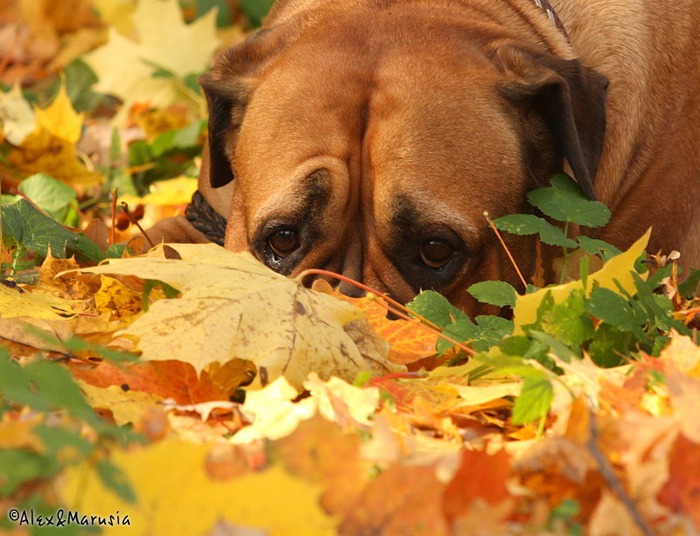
(189, 390)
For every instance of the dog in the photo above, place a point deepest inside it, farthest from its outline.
(369, 137)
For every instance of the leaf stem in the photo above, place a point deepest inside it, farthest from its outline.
(390, 305)
(505, 248)
(565, 250)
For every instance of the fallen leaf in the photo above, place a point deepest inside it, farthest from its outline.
(682, 491)
(273, 413)
(318, 451)
(167, 379)
(60, 119)
(17, 302)
(480, 476)
(408, 340)
(125, 406)
(232, 306)
(16, 116)
(125, 67)
(615, 271)
(270, 499)
(401, 500)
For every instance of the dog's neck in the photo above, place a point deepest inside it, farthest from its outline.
(545, 6)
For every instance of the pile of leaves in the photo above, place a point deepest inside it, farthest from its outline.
(191, 390)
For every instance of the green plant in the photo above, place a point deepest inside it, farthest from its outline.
(53, 428)
(610, 325)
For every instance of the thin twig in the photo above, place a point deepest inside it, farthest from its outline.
(133, 220)
(613, 482)
(390, 305)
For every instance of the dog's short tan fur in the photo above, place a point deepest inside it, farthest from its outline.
(372, 126)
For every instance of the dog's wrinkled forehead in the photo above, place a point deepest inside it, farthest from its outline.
(392, 113)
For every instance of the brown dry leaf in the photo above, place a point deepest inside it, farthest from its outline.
(118, 300)
(232, 306)
(70, 286)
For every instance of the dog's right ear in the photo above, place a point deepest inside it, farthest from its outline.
(227, 88)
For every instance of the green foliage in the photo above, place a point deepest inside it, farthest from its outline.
(26, 229)
(610, 326)
(168, 155)
(256, 10)
(48, 388)
(58, 200)
(565, 202)
(498, 293)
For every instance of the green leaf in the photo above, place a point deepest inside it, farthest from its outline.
(690, 285)
(561, 350)
(534, 401)
(44, 386)
(49, 194)
(256, 10)
(79, 81)
(497, 293)
(25, 227)
(435, 308)
(610, 346)
(462, 330)
(56, 439)
(565, 202)
(529, 224)
(566, 321)
(182, 138)
(114, 479)
(594, 246)
(20, 466)
(610, 307)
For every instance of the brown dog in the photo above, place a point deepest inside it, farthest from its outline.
(368, 137)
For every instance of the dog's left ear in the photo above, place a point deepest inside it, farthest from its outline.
(570, 99)
(227, 88)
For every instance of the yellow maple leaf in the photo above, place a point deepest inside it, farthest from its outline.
(117, 13)
(233, 306)
(51, 146)
(126, 407)
(618, 269)
(166, 193)
(176, 496)
(60, 118)
(17, 302)
(125, 67)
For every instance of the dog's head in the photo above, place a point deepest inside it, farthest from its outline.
(371, 142)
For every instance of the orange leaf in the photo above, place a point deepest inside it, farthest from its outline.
(682, 491)
(398, 501)
(169, 379)
(409, 341)
(480, 476)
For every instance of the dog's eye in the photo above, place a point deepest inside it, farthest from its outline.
(435, 253)
(284, 242)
